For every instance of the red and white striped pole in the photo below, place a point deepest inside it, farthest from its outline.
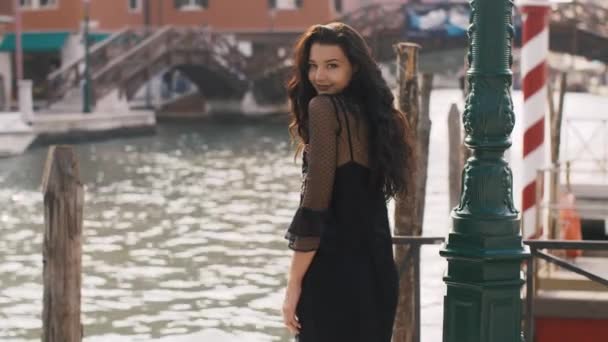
(534, 54)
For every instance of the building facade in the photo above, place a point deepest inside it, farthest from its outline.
(52, 29)
(345, 6)
(229, 15)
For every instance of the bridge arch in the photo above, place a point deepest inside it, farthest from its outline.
(215, 63)
(203, 57)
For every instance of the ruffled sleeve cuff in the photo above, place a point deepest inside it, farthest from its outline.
(304, 233)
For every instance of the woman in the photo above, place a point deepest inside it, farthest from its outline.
(343, 282)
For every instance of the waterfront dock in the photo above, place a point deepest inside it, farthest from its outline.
(16, 136)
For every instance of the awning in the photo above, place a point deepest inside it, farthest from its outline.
(96, 37)
(35, 41)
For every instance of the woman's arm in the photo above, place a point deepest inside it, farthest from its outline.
(300, 261)
(299, 265)
(304, 233)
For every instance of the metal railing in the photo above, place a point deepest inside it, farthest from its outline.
(586, 143)
(535, 252)
(563, 178)
(536, 247)
(69, 76)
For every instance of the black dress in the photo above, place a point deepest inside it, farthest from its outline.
(349, 292)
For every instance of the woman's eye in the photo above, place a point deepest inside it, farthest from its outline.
(332, 66)
(312, 66)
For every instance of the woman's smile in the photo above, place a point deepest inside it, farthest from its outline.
(323, 88)
(329, 70)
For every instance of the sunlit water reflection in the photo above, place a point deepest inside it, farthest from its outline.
(183, 234)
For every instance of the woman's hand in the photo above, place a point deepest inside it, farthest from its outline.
(292, 296)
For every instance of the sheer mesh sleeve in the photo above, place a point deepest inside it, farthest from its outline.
(305, 230)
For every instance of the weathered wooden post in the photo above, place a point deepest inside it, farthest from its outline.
(62, 246)
(484, 249)
(405, 208)
(556, 116)
(410, 209)
(423, 135)
(454, 163)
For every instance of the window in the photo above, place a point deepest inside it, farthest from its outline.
(37, 4)
(285, 4)
(191, 5)
(338, 6)
(134, 5)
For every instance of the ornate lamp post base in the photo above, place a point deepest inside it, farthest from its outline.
(484, 249)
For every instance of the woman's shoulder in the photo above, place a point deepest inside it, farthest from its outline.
(336, 103)
(322, 112)
(322, 103)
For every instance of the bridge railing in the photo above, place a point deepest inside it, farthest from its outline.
(588, 16)
(586, 143)
(178, 46)
(373, 18)
(70, 75)
(223, 49)
(536, 247)
(113, 73)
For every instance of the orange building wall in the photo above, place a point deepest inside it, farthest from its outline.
(112, 15)
(6, 8)
(223, 15)
(67, 16)
(229, 15)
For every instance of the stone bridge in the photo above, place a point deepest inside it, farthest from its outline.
(221, 70)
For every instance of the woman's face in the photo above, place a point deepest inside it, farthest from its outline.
(329, 70)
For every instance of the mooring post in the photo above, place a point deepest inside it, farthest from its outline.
(62, 246)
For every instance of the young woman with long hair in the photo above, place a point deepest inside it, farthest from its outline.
(343, 283)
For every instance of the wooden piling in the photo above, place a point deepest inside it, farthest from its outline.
(454, 146)
(423, 135)
(555, 116)
(409, 210)
(62, 246)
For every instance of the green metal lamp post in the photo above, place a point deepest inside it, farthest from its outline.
(86, 97)
(484, 249)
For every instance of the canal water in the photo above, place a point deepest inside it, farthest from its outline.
(183, 232)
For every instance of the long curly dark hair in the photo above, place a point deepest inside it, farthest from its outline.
(391, 149)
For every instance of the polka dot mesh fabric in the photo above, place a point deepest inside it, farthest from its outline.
(337, 135)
